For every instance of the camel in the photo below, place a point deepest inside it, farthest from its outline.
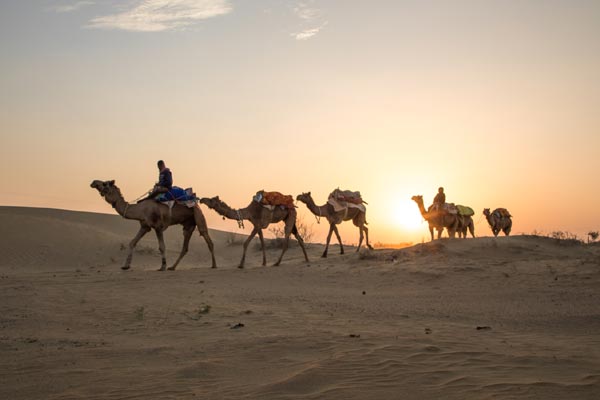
(260, 217)
(438, 220)
(357, 216)
(154, 215)
(464, 223)
(498, 222)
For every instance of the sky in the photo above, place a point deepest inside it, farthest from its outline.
(496, 101)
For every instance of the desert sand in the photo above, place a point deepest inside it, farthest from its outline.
(485, 318)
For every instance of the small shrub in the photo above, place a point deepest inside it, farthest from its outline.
(565, 237)
(139, 313)
(305, 231)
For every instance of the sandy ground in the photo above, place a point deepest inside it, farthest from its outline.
(484, 318)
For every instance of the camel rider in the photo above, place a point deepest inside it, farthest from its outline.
(165, 180)
(439, 200)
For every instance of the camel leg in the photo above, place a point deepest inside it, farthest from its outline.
(360, 239)
(211, 247)
(243, 260)
(431, 232)
(203, 231)
(300, 241)
(161, 247)
(331, 228)
(339, 238)
(286, 241)
(262, 246)
(367, 237)
(143, 230)
(471, 229)
(187, 234)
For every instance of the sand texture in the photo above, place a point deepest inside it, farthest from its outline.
(485, 318)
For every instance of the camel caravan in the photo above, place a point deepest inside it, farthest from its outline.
(168, 205)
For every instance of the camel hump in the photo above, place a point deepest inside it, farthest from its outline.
(275, 199)
(502, 212)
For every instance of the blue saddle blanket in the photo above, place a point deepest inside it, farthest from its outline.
(177, 194)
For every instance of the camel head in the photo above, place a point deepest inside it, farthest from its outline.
(486, 212)
(108, 190)
(417, 199)
(103, 187)
(304, 197)
(215, 203)
(210, 202)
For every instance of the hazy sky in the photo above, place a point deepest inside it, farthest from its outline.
(497, 101)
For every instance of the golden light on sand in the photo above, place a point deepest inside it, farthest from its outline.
(406, 214)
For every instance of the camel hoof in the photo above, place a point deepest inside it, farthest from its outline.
(325, 255)
(162, 269)
(240, 266)
(214, 266)
(171, 268)
(125, 267)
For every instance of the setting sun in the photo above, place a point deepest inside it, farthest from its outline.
(407, 215)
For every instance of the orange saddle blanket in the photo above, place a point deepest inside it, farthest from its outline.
(275, 199)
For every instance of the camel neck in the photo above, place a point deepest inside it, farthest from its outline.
(320, 211)
(422, 209)
(228, 212)
(123, 208)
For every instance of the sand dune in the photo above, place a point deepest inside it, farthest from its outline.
(484, 318)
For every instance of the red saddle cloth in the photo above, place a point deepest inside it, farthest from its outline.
(277, 199)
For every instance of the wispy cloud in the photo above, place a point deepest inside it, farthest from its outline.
(312, 20)
(162, 15)
(73, 6)
(307, 33)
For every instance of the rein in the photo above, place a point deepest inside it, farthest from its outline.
(240, 220)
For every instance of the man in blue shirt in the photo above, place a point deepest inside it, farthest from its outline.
(165, 180)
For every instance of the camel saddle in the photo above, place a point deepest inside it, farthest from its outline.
(274, 199)
(449, 208)
(347, 196)
(176, 194)
(342, 199)
(465, 211)
(502, 213)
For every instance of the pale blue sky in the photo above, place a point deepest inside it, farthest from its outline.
(496, 100)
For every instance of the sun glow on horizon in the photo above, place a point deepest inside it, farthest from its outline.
(407, 215)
